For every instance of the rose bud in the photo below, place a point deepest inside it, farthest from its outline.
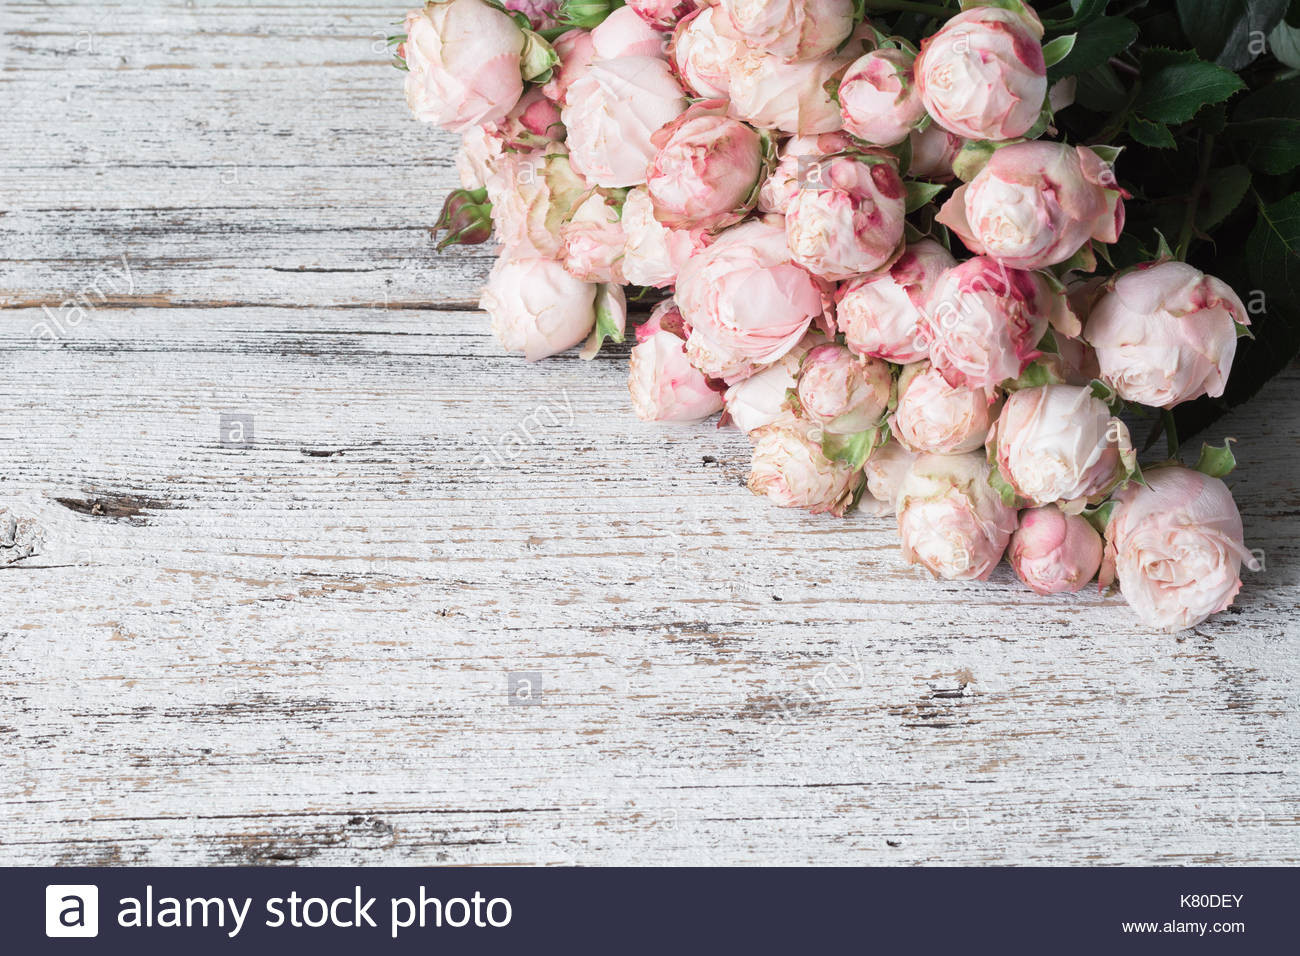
(983, 321)
(934, 150)
(592, 241)
(878, 99)
(879, 313)
(848, 216)
(791, 29)
(797, 155)
(701, 55)
(532, 194)
(1053, 552)
(790, 469)
(1036, 204)
(536, 307)
(842, 393)
(612, 110)
(765, 396)
(463, 61)
(467, 217)
(1060, 444)
(706, 171)
(933, 416)
(885, 471)
(576, 52)
(1176, 545)
(624, 33)
(653, 253)
(982, 76)
(746, 302)
(542, 14)
(950, 519)
(662, 14)
(769, 93)
(664, 385)
(1166, 333)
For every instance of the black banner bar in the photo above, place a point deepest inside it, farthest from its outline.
(195, 911)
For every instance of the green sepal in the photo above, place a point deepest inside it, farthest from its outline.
(1058, 49)
(1003, 487)
(611, 319)
(1099, 516)
(1216, 462)
(1106, 395)
(917, 194)
(1036, 375)
(854, 450)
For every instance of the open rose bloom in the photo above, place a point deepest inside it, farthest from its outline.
(870, 247)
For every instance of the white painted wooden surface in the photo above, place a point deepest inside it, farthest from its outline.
(298, 651)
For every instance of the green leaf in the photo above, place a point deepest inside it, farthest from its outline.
(1150, 134)
(1085, 11)
(1224, 190)
(1273, 249)
(1094, 45)
(1216, 462)
(1058, 49)
(1175, 85)
(1269, 145)
(1100, 90)
(918, 193)
(1230, 32)
(1036, 375)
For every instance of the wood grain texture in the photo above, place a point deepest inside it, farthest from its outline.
(298, 651)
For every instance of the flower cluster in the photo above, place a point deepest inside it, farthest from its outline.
(877, 259)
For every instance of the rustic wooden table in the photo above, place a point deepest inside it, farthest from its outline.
(295, 643)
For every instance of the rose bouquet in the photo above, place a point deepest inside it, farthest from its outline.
(898, 245)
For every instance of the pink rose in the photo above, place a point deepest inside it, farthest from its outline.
(664, 385)
(463, 61)
(791, 29)
(879, 102)
(706, 171)
(879, 313)
(624, 33)
(842, 393)
(542, 14)
(1053, 552)
(982, 76)
(1058, 444)
(798, 155)
(1166, 333)
(933, 151)
(950, 519)
(532, 194)
(612, 110)
(592, 241)
(764, 397)
(848, 217)
(1036, 204)
(1176, 546)
(769, 93)
(933, 416)
(576, 52)
(885, 471)
(702, 55)
(983, 321)
(536, 307)
(654, 253)
(747, 303)
(790, 470)
(662, 14)
(533, 123)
